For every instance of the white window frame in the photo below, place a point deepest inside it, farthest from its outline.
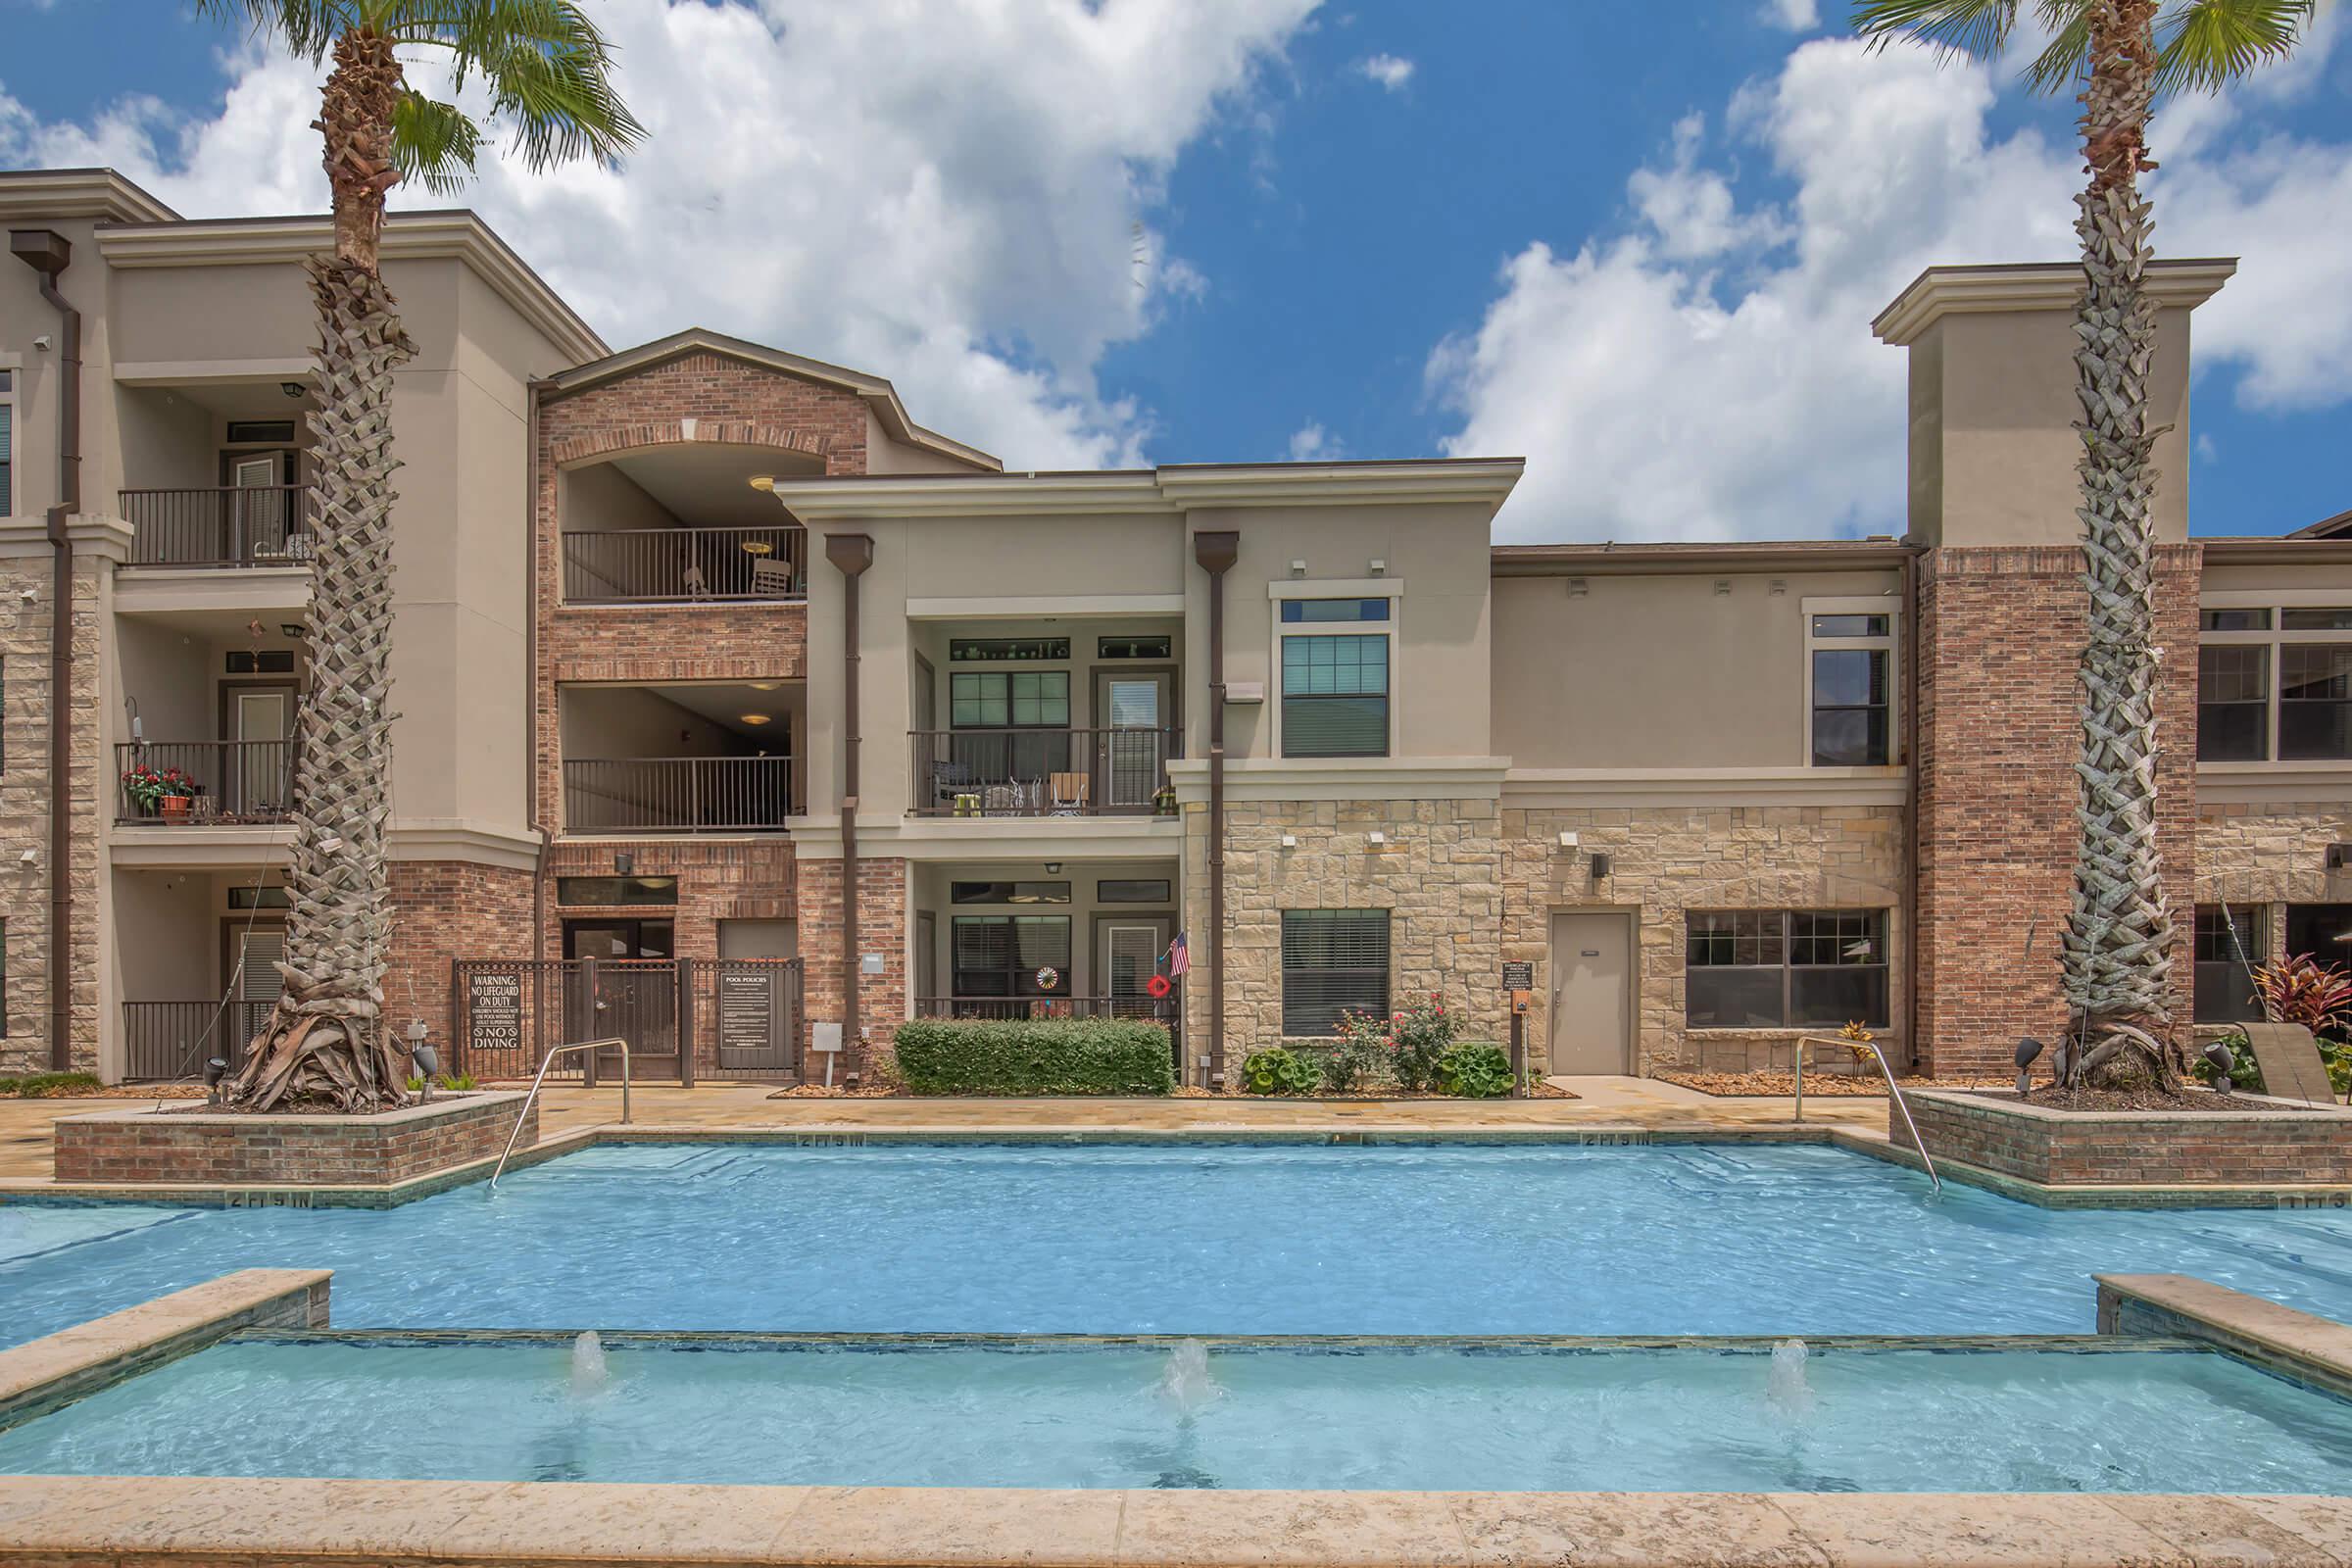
(1390, 588)
(2276, 601)
(1888, 606)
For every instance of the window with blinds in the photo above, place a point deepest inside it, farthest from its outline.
(1000, 955)
(1335, 696)
(1333, 961)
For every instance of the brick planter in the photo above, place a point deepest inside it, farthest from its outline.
(201, 1148)
(2134, 1148)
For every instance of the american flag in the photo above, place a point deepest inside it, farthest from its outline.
(1180, 958)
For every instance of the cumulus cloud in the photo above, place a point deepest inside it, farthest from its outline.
(1663, 392)
(1797, 16)
(1392, 71)
(974, 221)
(1312, 443)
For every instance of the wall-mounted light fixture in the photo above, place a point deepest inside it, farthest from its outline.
(1578, 588)
(1567, 841)
(290, 628)
(292, 389)
(1052, 868)
(623, 863)
(1297, 568)
(1289, 841)
(1601, 866)
(2339, 857)
(1723, 587)
(1380, 568)
(1376, 838)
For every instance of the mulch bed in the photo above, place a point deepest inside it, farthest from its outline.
(119, 1091)
(1755, 1085)
(2049, 1097)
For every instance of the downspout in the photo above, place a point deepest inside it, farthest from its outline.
(48, 253)
(1216, 553)
(532, 391)
(853, 552)
(1907, 650)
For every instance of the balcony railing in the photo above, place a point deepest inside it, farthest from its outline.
(218, 781)
(1041, 772)
(676, 794)
(684, 565)
(170, 1039)
(1023, 1008)
(222, 525)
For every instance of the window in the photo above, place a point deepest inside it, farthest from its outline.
(1300, 612)
(1849, 664)
(260, 432)
(8, 446)
(250, 897)
(2274, 682)
(612, 891)
(1785, 969)
(1335, 696)
(1134, 647)
(261, 661)
(2322, 931)
(1333, 961)
(1009, 893)
(1005, 649)
(2225, 950)
(1039, 699)
(1133, 890)
(1000, 955)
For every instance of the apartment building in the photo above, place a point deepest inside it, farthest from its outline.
(733, 704)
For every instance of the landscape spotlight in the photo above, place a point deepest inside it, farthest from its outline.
(214, 1069)
(2028, 1049)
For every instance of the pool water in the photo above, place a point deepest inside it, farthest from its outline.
(1531, 1239)
(1872, 1420)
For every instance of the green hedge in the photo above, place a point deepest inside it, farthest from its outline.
(1035, 1057)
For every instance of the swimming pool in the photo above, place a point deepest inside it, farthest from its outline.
(1588, 1419)
(1528, 1239)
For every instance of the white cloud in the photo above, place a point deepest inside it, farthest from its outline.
(972, 221)
(1797, 16)
(1660, 392)
(1392, 71)
(2206, 448)
(1312, 443)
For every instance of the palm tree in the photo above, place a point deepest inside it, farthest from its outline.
(2117, 955)
(546, 70)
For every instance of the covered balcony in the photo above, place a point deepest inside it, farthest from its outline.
(681, 524)
(711, 756)
(216, 475)
(1045, 720)
(193, 967)
(203, 736)
(1051, 939)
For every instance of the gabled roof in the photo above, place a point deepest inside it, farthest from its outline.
(878, 393)
(2339, 526)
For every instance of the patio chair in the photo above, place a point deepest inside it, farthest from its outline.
(1070, 792)
(772, 578)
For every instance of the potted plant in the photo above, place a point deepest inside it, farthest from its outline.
(167, 790)
(1164, 800)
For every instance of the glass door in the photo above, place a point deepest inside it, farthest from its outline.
(1129, 957)
(1131, 747)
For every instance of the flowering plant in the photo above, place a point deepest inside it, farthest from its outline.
(1421, 1031)
(2304, 991)
(147, 785)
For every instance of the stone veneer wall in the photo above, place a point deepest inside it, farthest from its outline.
(193, 1147)
(2000, 632)
(882, 924)
(2165, 1148)
(2270, 856)
(1665, 860)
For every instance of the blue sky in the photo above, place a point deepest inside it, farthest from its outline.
(1641, 252)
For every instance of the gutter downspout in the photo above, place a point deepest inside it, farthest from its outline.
(853, 552)
(1907, 650)
(48, 254)
(532, 390)
(1216, 553)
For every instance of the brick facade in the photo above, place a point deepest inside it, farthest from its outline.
(445, 909)
(882, 922)
(1999, 633)
(190, 1146)
(2169, 1148)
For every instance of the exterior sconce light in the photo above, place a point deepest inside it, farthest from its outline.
(292, 389)
(1376, 839)
(1052, 868)
(1601, 866)
(623, 863)
(1567, 841)
(1380, 568)
(1289, 841)
(1578, 588)
(1297, 568)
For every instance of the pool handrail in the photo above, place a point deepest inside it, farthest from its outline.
(1894, 1089)
(553, 1052)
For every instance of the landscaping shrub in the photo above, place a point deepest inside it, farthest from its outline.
(1422, 1032)
(1035, 1057)
(1474, 1071)
(447, 1080)
(1277, 1070)
(43, 1085)
(1361, 1056)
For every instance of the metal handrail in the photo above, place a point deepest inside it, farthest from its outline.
(1894, 1089)
(552, 1053)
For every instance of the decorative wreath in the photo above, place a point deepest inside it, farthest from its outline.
(1157, 987)
(1048, 978)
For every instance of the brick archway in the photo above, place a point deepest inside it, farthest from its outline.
(617, 440)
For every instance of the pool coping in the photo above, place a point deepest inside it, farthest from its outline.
(1365, 1135)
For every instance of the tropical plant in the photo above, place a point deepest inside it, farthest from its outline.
(545, 71)
(1280, 1070)
(1474, 1071)
(2302, 990)
(2119, 946)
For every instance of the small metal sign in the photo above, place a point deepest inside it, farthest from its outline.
(1518, 977)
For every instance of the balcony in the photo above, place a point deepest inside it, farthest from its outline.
(677, 794)
(164, 1042)
(209, 782)
(1041, 772)
(218, 526)
(684, 565)
(1023, 1009)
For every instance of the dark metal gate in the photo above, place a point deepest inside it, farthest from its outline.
(740, 1018)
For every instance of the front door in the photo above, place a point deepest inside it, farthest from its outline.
(1590, 989)
(259, 778)
(1132, 707)
(637, 987)
(258, 526)
(254, 951)
(1127, 956)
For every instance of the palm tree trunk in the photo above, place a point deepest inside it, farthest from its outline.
(2119, 939)
(324, 1045)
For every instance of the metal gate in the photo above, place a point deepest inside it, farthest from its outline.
(742, 1017)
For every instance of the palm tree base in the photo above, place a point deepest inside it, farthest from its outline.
(319, 1053)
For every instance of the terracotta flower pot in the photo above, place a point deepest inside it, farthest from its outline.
(176, 808)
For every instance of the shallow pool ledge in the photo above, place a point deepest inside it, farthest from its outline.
(48, 1372)
(280, 1523)
(2292, 1344)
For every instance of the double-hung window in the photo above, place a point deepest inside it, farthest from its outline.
(1784, 968)
(1850, 680)
(2273, 682)
(1335, 657)
(1334, 962)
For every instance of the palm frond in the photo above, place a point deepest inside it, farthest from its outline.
(548, 69)
(433, 143)
(2063, 60)
(2204, 45)
(308, 26)
(1977, 30)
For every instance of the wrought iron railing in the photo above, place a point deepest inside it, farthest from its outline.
(219, 525)
(676, 794)
(1022, 1008)
(1041, 772)
(654, 566)
(167, 1040)
(211, 782)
